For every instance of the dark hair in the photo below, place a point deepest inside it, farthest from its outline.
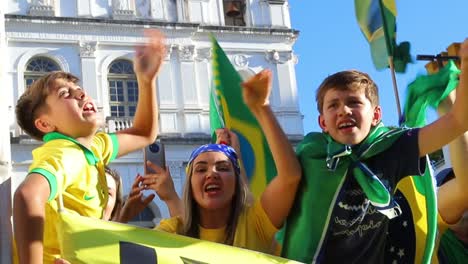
(32, 101)
(351, 80)
(118, 192)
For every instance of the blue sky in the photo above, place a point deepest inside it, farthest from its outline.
(330, 41)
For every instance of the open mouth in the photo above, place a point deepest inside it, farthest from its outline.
(212, 188)
(89, 108)
(347, 125)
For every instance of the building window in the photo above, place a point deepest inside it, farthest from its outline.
(123, 89)
(37, 67)
(234, 11)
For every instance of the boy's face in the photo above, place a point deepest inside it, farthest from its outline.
(69, 111)
(348, 115)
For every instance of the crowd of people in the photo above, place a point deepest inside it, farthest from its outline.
(348, 172)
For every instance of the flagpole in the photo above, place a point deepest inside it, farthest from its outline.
(395, 86)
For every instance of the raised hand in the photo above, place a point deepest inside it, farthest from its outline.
(226, 136)
(149, 56)
(257, 90)
(134, 204)
(160, 181)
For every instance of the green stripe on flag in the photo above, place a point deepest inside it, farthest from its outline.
(377, 20)
(228, 106)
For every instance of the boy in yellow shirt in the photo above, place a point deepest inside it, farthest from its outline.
(71, 161)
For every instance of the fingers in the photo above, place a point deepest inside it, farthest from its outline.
(148, 199)
(132, 198)
(154, 167)
(223, 136)
(259, 79)
(149, 181)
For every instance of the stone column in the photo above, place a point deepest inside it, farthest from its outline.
(5, 156)
(191, 105)
(276, 13)
(284, 95)
(204, 79)
(83, 8)
(89, 70)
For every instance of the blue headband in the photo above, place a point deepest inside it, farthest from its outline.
(225, 149)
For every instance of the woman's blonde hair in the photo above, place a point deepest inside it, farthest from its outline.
(191, 217)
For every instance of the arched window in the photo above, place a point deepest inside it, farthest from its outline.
(123, 89)
(37, 67)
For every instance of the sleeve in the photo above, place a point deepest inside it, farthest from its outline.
(52, 163)
(105, 146)
(170, 225)
(263, 226)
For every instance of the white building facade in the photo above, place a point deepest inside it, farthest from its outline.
(94, 40)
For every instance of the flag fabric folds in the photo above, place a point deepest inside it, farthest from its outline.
(88, 240)
(377, 20)
(227, 109)
(428, 90)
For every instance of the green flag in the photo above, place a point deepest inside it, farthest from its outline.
(227, 109)
(377, 20)
(428, 90)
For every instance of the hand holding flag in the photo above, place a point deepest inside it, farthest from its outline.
(227, 109)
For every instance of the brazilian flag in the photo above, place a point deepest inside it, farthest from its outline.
(227, 109)
(88, 240)
(377, 20)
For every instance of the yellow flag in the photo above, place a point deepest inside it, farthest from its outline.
(87, 240)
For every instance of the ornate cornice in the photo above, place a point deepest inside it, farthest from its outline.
(111, 27)
(204, 54)
(241, 60)
(41, 8)
(277, 57)
(186, 53)
(87, 49)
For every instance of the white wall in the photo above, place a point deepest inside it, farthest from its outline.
(183, 84)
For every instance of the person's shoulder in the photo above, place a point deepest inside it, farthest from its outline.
(170, 225)
(313, 141)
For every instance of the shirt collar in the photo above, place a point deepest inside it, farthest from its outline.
(90, 157)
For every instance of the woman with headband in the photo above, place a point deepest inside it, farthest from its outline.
(216, 204)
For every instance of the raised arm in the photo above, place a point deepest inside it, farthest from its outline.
(453, 124)
(29, 216)
(147, 64)
(161, 182)
(452, 196)
(278, 197)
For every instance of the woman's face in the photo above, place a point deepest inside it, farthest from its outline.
(112, 187)
(213, 181)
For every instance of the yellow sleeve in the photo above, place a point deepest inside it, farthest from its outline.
(264, 227)
(170, 225)
(105, 146)
(53, 161)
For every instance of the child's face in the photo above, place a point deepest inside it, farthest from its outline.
(348, 115)
(69, 111)
(112, 188)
